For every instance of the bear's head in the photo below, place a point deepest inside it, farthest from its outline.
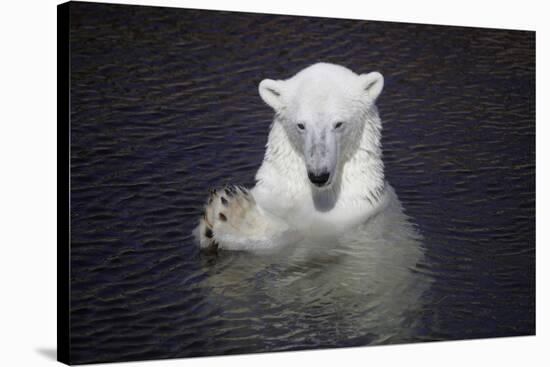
(324, 110)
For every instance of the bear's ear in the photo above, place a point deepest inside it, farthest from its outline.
(271, 93)
(372, 84)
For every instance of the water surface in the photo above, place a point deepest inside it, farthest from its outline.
(164, 105)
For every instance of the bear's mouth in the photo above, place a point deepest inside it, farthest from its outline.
(319, 180)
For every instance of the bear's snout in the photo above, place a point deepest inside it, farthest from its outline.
(318, 180)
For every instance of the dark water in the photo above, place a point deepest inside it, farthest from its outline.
(164, 105)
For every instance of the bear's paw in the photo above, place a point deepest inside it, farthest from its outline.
(226, 216)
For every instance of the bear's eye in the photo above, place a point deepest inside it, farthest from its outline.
(338, 125)
(301, 126)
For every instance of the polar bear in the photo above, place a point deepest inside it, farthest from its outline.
(322, 175)
(338, 240)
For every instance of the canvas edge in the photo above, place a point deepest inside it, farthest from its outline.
(63, 184)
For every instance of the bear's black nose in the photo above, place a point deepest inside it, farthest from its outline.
(318, 180)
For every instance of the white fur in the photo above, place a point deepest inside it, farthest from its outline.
(287, 207)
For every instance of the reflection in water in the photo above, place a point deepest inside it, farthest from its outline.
(365, 287)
